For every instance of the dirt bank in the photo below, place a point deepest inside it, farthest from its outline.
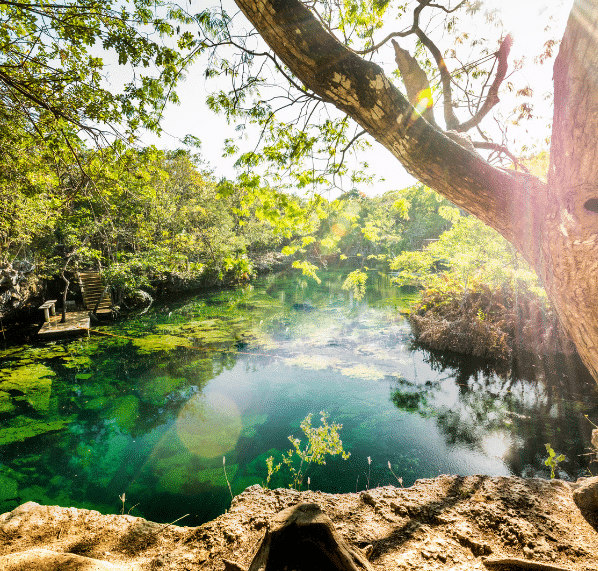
(449, 522)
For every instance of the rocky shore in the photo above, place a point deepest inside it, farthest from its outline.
(18, 286)
(450, 522)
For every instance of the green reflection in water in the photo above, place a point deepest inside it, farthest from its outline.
(151, 409)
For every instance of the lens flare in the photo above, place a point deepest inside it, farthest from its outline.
(209, 425)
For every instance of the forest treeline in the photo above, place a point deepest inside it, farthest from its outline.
(144, 217)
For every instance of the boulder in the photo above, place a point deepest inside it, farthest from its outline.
(585, 496)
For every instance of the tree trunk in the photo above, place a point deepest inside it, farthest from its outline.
(67, 283)
(303, 538)
(554, 226)
(570, 230)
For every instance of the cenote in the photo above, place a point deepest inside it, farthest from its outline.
(151, 405)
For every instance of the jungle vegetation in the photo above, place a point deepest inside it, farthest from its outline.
(76, 187)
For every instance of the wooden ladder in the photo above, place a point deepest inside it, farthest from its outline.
(92, 288)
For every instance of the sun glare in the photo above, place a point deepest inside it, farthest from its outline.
(527, 21)
(496, 444)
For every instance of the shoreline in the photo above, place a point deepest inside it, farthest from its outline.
(461, 523)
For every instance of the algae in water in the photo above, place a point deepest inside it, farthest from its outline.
(30, 384)
(150, 343)
(28, 428)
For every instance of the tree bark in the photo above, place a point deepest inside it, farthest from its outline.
(303, 538)
(570, 229)
(548, 224)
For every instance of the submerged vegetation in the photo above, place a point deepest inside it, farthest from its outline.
(151, 409)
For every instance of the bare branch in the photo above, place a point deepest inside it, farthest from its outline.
(416, 82)
(414, 27)
(501, 149)
(492, 99)
(449, 115)
(448, 10)
(347, 147)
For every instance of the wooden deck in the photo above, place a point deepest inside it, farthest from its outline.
(77, 323)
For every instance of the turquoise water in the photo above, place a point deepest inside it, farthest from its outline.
(149, 407)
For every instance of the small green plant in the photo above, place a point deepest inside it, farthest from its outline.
(321, 441)
(271, 469)
(553, 460)
(122, 499)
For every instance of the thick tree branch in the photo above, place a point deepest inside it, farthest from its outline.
(505, 200)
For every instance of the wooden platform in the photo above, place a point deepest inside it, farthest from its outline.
(77, 323)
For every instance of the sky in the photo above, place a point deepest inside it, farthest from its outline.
(525, 19)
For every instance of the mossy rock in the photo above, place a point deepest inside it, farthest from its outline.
(151, 343)
(31, 384)
(30, 428)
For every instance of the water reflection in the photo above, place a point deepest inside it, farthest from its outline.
(151, 408)
(508, 410)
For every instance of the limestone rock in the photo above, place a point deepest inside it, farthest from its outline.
(585, 496)
(46, 560)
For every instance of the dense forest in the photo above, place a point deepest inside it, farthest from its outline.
(155, 222)
(79, 190)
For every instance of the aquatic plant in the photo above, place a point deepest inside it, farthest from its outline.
(27, 428)
(150, 343)
(30, 384)
(321, 441)
(553, 460)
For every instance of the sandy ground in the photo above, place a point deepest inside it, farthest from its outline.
(449, 522)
